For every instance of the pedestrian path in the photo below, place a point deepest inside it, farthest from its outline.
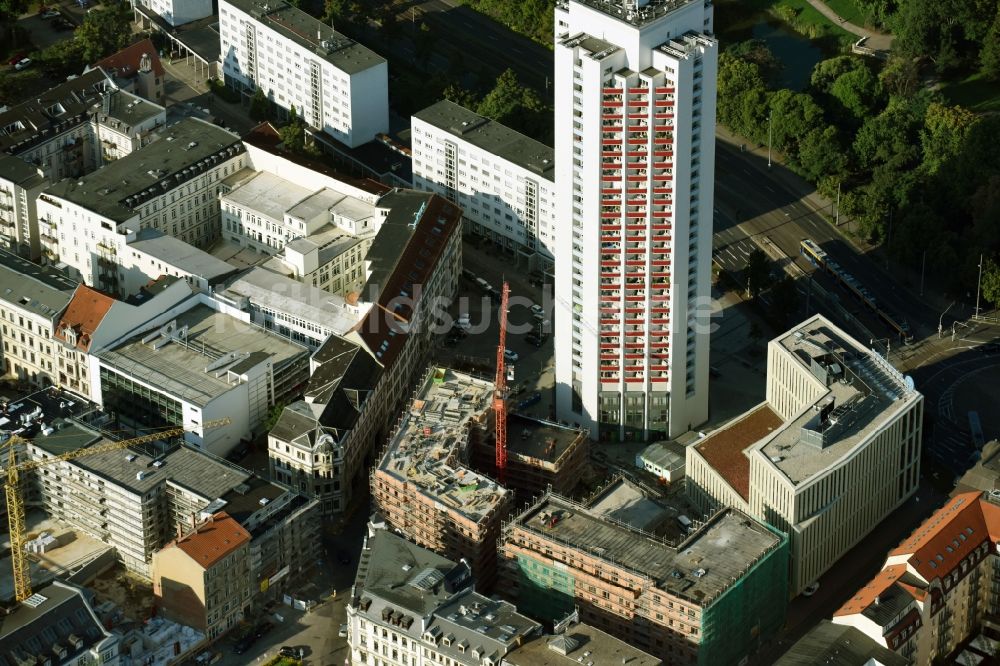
(876, 40)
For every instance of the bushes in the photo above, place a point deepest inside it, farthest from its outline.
(223, 91)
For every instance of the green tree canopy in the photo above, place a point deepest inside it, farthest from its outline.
(104, 31)
(946, 129)
(756, 273)
(859, 92)
(820, 154)
(742, 97)
(794, 115)
(989, 57)
(827, 71)
(990, 285)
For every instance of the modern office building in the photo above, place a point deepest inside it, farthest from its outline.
(711, 598)
(635, 165)
(412, 607)
(58, 625)
(33, 299)
(192, 365)
(833, 450)
(503, 180)
(20, 184)
(203, 578)
(335, 84)
(171, 185)
(937, 587)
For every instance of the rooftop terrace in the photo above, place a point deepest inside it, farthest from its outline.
(428, 446)
(699, 569)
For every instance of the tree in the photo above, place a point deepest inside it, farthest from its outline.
(60, 59)
(756, 273)
(794, 116)
(10, 10)
(858, 91)
(260, 106)
(293, 135)
(827, 71)
(273, 415)
(945, 131)
(517, 106)
(336, 11)
(820, 154)
(757, 52)
(742, 97)
(989, 57)
(900, 76)
(890, 138)
(104, 31)
(990, 285)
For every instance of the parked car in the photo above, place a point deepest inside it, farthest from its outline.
(24, 63)
(510, 355)
(343, 631)
(537, 309)
(262, 629)
(244, 644)
(62, 23)
(535, 338)
(50, 13)
(810, 589)
(18, 58)
(289, 651)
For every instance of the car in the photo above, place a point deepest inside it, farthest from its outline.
(262, 629)
(343, 631)
(24, 63)
(18, 58)
(50, 13)
(343, 557)
(289, 651)
(811, 589)
(244, 644)
(510, 355)
(537, 309)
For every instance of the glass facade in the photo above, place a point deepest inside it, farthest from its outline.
(138, 404)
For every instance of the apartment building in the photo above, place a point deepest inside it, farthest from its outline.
(136, 500)
(301, 312)
(178, 12)
(203, 578)
(712, 598)
(58, 625)
(194, 364)
(137, 69)
(832, 451)
(335, 84)
(322, 445)
(412, 607)
(171, 185)
(503, 181)
(573, 644)
(20, 184)
(422, 485)
(77, 126)
(635, 162)
(938, 587)
(828, 643)
(32, 301)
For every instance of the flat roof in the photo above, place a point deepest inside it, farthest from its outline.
(268, 195)
(626, 503)
(30, 287)
(177, 253)
(699, 569)
(491, 136)
(292, 23)
(534, 439)
(428, 448)
(188, 369)
(128, 108)
(834, 644)
(20, 172)
(302, 301)
(865, 390)
(724, 449)
(580, 644)
(648, 12)
(117, 189)
(183, 466)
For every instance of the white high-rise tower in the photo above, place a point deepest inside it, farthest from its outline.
(635, 86)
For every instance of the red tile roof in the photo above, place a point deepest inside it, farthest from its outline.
(723, 449)
(213, 540)
(946, 538)
(865, 597)
(85, 312)
(126, 61)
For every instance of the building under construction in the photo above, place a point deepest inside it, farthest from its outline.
(426, 487)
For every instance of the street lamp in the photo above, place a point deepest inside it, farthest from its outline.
(769, 114)
(979, 284)
(941, 319)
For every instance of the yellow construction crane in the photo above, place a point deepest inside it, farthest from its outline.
(15, 502)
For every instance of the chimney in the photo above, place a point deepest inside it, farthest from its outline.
(194, 521)
(877, 600)
(180, 532)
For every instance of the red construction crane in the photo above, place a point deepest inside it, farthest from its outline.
(500, 391)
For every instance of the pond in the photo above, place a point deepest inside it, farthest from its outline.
(797, 54)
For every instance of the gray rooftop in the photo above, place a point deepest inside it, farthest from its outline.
(128, 109)
(268, 195)
(19, 172)
(429, 444)
(185, 369)
(626, 503)
(699, 569)
(281, 293)
(342, 52)
(181, 255)
(28, 286)
(668, 455)
(420, 592)
(865, 390)
(533, 440)
(833, 644)
(183, 151)
(54, 614)
(491, 136)
(189, 468)
(580, 644)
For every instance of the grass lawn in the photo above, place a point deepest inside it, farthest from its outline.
(847, 9)
(810, 22)
(974, 93)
